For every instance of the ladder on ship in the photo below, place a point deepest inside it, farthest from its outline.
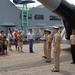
(24, 16)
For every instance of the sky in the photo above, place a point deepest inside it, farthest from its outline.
(37, 3)
(71, 1)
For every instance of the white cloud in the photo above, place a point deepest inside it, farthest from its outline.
(35, 4)
(71, 1)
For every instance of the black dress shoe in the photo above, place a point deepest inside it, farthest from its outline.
(72, 62)
(44, 57)
(55, 70)
(48, 61)
(31, 52)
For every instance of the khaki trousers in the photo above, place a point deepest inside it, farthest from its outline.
(44, 47)
(57, 60)
(48, 53)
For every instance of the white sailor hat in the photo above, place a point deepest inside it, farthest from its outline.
(47, 30)
(55, 27)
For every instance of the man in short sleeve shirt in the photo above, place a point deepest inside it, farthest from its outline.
(56, 49)
(48, 46)
(72, 42)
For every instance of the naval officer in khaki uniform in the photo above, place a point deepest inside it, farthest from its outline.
(48, 46)
(56, 48)
(72, 42)
(44, 46)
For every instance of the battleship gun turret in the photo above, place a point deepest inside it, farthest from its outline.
(65, 10)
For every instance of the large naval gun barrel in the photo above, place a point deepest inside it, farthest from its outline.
(65, 10)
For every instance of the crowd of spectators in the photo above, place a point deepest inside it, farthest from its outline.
(7, 40)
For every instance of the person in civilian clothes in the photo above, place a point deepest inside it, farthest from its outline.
(30, 39)
(72, 42)
(5, 44)
(9, 39)
(20, 42)
(56, 49)
(15, 35)
(48, 46)
(2, 34)
(1, 47)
